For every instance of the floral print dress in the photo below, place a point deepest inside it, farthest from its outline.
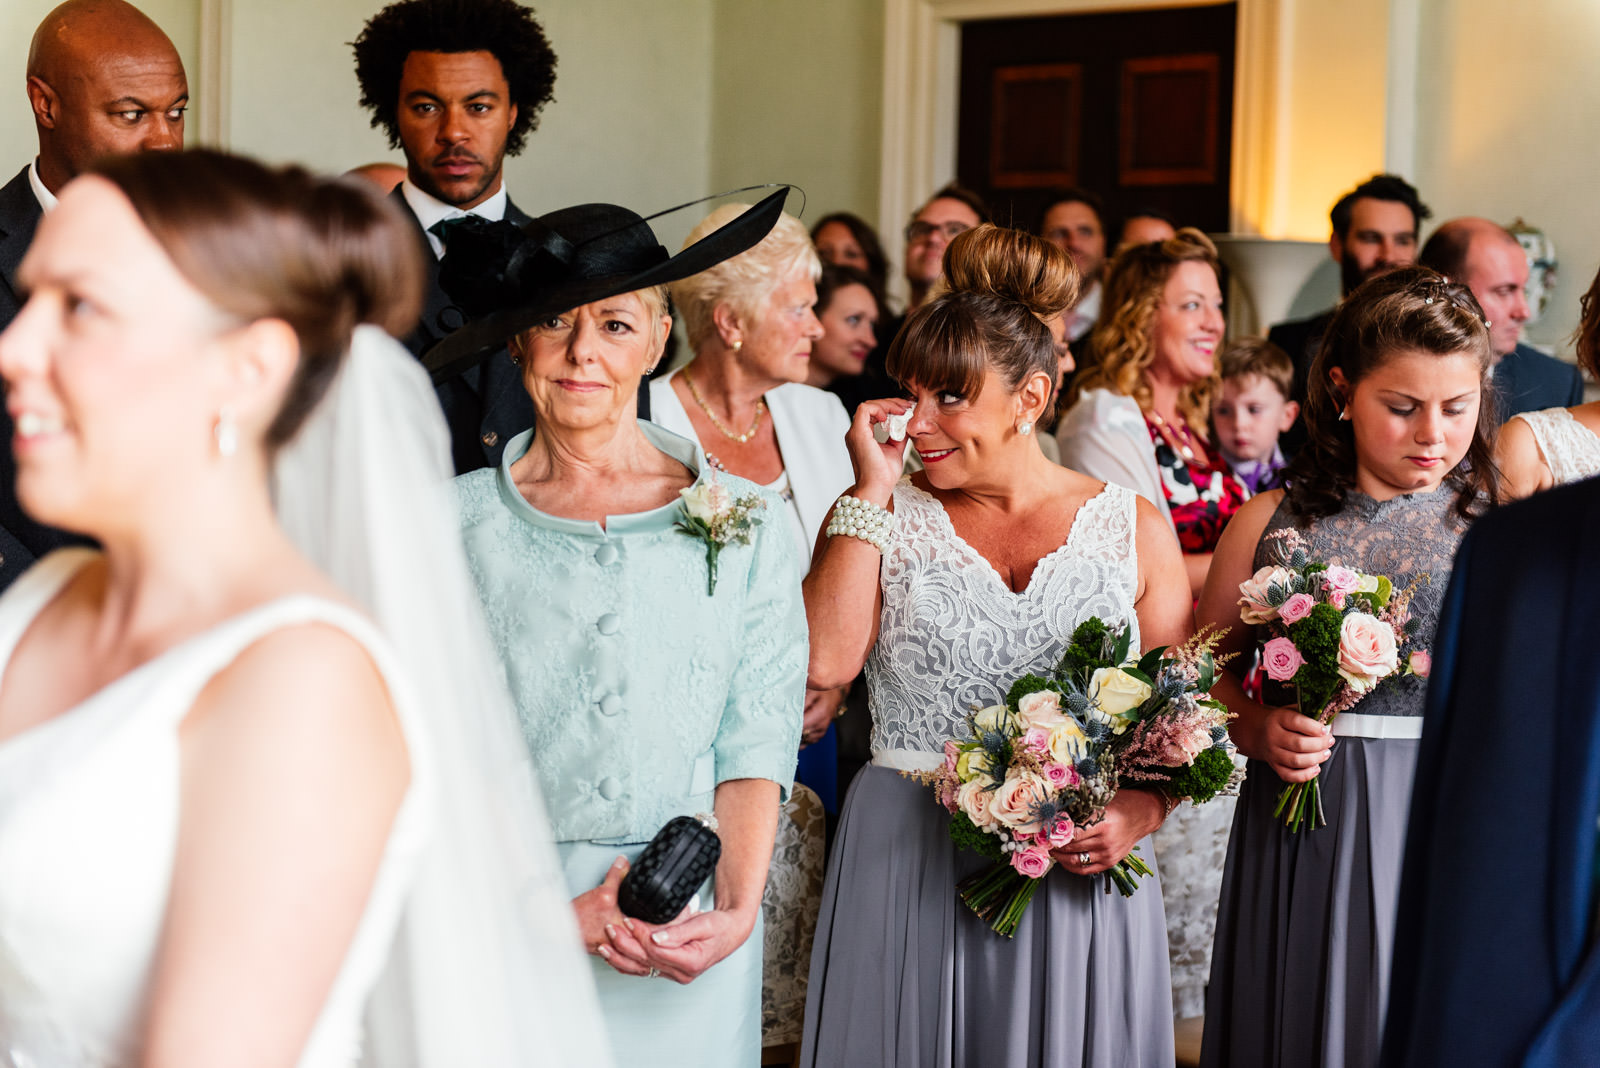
(1202, 492)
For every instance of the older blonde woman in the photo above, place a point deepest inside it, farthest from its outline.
(743, 398)
(578, 546)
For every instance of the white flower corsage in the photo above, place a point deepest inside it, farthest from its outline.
(719, 519)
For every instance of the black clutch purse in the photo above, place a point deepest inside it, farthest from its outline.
(672, 867)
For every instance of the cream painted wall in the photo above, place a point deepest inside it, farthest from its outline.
(19, 18)
(1334, 107)
(797, 97)
(1507, 99)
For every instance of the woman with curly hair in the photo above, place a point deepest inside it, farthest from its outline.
(1397, 464)
(1538, 450)
(1141, 412)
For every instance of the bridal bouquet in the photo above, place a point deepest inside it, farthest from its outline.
(1337, 633)
(1050, 759)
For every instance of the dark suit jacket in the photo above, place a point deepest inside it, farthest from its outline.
(21, 539)
(487, 405)
(1527, 380)
(1300, 338)
(1494, 962)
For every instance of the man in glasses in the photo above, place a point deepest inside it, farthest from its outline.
(946, 214)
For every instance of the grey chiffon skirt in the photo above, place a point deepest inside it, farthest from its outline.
(904, 975)
(1300, 969)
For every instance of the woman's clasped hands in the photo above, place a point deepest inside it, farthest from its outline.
(680, 950)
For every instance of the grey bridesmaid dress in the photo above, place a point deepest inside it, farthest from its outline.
(903, 974)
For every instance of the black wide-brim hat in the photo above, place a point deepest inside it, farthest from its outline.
(573, 257)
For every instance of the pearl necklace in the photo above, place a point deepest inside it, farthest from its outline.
(1166, 431)
(761, 406)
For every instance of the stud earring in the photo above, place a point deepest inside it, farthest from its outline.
(226, 432)
(737, 345)
(1025, 427)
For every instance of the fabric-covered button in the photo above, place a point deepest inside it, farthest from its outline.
(610, 704)
(610, 789)
(609, 623)
(606, 555)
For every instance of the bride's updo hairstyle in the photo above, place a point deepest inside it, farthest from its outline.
(322, 255)
(1407, 310)
(1003, 286)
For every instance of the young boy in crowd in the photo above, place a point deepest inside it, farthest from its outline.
(1252, 409)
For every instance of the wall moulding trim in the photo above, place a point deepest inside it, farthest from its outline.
(216, 37)
(922, 40)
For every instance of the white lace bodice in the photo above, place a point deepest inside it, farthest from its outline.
(89, 811)
(953, 635)
(1570, 449)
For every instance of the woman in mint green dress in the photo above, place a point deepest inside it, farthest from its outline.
(650, 684)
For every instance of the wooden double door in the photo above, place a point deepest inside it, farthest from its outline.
(1136, 106)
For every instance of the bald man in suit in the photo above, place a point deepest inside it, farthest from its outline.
(102, 80)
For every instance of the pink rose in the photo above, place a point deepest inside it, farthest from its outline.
(1341, 579)
(1058, 776)
(1297, 607)
(1036, 738)
(1367, 650)
(1042, 708)
(1013, 803)
(1183, 748)
(1281, 659)
(1421, 663)
(951, 752)
(1031, 863)
(974, 801)
(1254, 606)
(1061, 832)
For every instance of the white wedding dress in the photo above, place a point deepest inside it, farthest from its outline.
(89, 811)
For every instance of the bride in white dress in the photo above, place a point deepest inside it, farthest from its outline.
(1539, 450)
(259, 798)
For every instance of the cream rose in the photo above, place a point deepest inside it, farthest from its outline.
(973, 799)
(1118, 694)
(706, 501)
(1367, 650)
(1067, 743)
(1254, 607)
(972, 764)
(993, 718)
(1040, 709)
(1013, 803)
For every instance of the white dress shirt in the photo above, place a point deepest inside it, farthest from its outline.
(46, 199)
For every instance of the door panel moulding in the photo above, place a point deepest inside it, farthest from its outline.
(921, 98)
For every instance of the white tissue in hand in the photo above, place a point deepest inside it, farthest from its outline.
(897, 426)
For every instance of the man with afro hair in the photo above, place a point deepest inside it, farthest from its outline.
(458, 85)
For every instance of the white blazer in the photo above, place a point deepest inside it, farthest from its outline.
(810, 424)
(1104, 436)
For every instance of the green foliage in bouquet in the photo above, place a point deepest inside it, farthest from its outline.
(1029, 684)
(1094, 645)
(1210, 773)
(965, 834)
(1317, 637)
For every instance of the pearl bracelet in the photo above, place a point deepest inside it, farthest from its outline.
(856, 518)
